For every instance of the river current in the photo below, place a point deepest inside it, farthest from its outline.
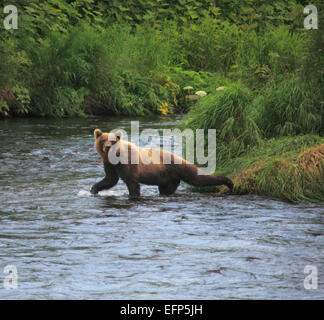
(68, 244)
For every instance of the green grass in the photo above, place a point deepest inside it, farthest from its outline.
(290, 168)
(230, 113)
(116, 71)
(289, 107)
(54, 69)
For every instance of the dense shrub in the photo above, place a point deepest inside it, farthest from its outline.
(268, 57)
(77, 57)
(113, 71)
(210, 45)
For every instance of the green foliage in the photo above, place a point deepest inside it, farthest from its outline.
(114, 71)
(227, 111)
(75, 57)
(291, 168)
(257, 58)
(249, 14)
(313, 67)
(210, 44)
(262, 14)
(153, 12)
(14, 96)
(198, 80)
(58, 77)
(71, 58)
(267, 57)
(288, 108)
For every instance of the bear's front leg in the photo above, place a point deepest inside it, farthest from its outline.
(108, 181)
(104, 184)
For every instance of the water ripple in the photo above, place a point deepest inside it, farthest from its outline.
(69, 244)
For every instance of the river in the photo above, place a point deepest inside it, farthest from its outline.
(68, 244)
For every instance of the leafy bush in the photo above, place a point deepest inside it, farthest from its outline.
(257, 58)
(210, 45)
(59, 76)
(267, 57)
(76, 57)
(198, 80)
(114, 71)
(260, 15)
(14, 94)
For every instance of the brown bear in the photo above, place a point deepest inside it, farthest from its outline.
(150, 171)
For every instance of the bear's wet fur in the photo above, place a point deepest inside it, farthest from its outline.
(166, 176)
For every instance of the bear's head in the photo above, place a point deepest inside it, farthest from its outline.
(104, 141)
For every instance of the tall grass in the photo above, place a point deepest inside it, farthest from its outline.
(229, 113)
(14, 93)
(135, 70)
(268, 57)
(291, 168)
(256, 58)
(288, 108)
(114, 71)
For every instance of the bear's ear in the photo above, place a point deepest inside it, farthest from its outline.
(97, 133)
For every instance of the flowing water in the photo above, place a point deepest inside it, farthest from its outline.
(67, 244)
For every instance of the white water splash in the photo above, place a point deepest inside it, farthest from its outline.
(84, 193)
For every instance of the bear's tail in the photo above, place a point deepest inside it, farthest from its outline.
(189, 174)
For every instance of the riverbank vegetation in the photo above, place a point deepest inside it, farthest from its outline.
(291, 168)
(261, 69)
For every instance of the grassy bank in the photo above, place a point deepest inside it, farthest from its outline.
(290, 168)
(268, 142)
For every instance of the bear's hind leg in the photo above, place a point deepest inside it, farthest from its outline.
(134, 189)
(169, 188)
